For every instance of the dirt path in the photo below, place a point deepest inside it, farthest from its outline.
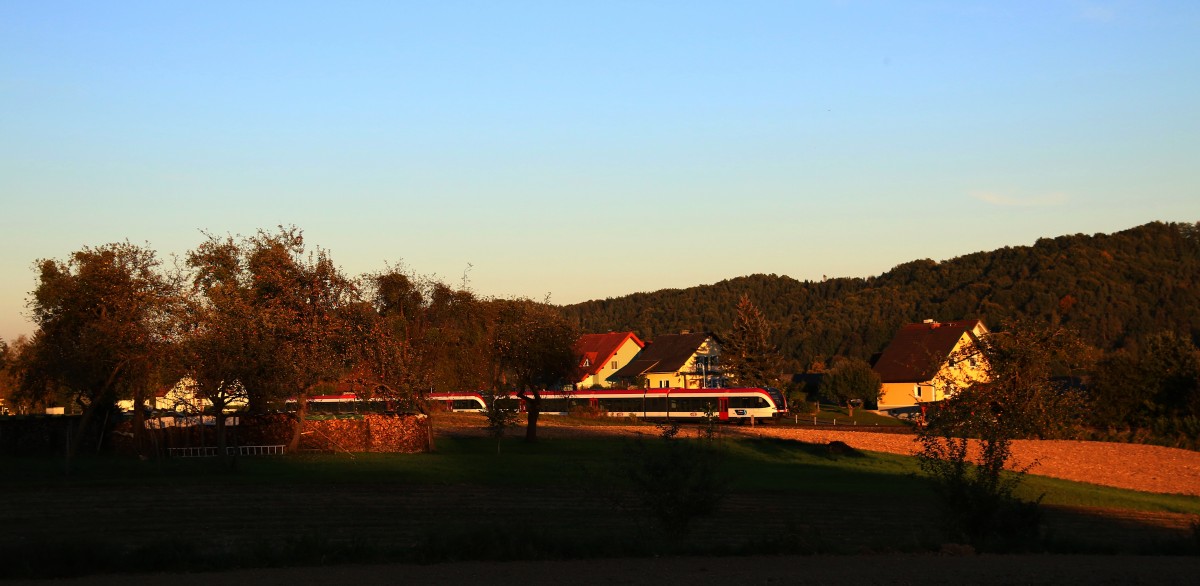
(1132, 466)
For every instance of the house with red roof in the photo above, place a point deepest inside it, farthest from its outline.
(927, 361)
(686, 360)
(602, 355)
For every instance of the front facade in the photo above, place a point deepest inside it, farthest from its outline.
(601, 356)
(680, 361)
(926, 362)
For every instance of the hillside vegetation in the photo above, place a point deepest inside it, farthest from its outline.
(1114, 290)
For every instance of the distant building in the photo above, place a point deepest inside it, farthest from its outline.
(602, 355)
(686, 361)
(926, 361)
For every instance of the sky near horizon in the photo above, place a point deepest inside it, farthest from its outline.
(585, 150)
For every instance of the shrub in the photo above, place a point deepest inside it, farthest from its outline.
(675, 480)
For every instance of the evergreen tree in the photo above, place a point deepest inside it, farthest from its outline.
(747, 356)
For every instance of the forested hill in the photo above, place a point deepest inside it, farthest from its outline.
(1113, 289)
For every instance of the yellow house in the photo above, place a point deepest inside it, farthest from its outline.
(926, 362)
(681, 361)
(602, 355)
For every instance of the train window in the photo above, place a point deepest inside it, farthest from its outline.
(554, 405)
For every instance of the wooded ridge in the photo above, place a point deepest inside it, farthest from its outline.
(1114, 290)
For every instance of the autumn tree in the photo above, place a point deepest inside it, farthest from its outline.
(532, 350)
(274, 317)
(851, 382)
(222, 345)
(747, 356)
(428, 336)
(104, 328)
(418, 335)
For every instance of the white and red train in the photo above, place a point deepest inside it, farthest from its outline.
(724, 404)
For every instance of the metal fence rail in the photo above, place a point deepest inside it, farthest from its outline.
(211, 451)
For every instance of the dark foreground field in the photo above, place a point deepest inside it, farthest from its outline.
(564, 498)
(917, 570)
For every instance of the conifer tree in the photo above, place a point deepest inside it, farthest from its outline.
(747, 355)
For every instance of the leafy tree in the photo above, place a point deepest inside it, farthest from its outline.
(748, 356)
(1031, 369)
(851, 381)
(532, 350)
(420, 335)
(104, 328)
(279, 319)
(1024, 398)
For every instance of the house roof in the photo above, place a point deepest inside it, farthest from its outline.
(666, 353)
(918, 351)
(596, 350)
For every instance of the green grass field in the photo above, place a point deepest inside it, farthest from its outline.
(557, 498)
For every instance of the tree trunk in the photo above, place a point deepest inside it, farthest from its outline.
(97, 399)
(429, 432)
(218, 407)
(77, 441)
(301, 412)
(531, 428)
(533, 408)
(139, 423)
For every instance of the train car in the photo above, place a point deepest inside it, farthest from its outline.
(739, 404)
(724, 404)
(461, 402)
(340, 403)
(352, 403)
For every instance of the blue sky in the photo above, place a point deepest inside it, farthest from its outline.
(587, 150)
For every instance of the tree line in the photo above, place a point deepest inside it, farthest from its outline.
(1115, 290)
(265, 319)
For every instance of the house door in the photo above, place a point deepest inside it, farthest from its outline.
(723, 408)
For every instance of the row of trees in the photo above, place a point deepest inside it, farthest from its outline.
(265, 319)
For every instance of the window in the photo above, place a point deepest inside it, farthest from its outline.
(918, 391)
(613, 365)
(586, 363)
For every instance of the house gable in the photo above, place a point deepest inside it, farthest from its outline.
(600, 355)
(926, 361)
(670, 360)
